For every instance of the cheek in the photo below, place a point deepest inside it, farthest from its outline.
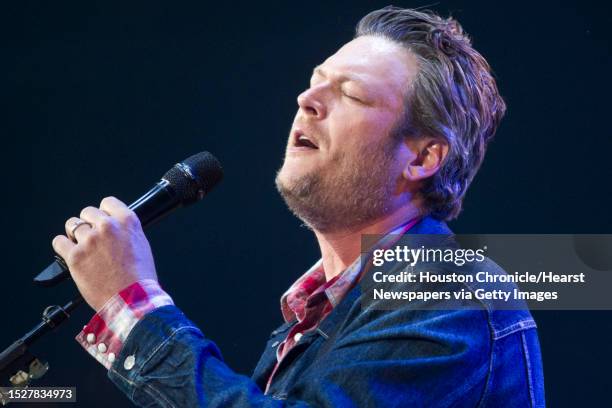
(352, 131)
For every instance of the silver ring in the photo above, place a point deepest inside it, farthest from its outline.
(76, 225)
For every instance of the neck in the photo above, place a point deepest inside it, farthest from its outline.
(339, 249)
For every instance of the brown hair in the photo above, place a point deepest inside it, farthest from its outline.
(454, 96)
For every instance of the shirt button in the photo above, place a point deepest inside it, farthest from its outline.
(91, 338)
(129, 362)
(111, 357)
(297, 337)
(102, 348)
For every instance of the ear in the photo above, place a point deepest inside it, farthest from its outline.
(428, 155)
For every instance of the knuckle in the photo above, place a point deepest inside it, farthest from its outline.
(106, 225)
(75, 256)
(55, 241)
(107, 200)
(85, 210)
(130, 218)
(88, 241)
(70, 221)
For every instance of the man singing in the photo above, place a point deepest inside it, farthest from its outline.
(386, 140)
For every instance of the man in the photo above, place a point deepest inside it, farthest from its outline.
(386, 140)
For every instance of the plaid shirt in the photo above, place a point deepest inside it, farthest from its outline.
(104, 335)
(309, 300)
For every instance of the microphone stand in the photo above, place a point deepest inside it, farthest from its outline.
(17, 363)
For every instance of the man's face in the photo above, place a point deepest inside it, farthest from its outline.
(342, 162)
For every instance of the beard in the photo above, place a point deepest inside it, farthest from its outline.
(349, 192)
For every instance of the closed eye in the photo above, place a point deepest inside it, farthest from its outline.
(352, 97)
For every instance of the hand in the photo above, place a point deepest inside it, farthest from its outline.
(107, 256)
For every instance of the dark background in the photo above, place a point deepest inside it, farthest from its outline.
(101, 99)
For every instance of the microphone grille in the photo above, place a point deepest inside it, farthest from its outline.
(194, 177)
(207, 168)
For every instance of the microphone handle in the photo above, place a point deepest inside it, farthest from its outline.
(156, 203)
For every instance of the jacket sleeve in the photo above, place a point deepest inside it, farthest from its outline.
(166, 361)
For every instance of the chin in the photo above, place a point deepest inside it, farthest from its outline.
(294, 182)
(285, 179)
(284, 176)
(292, 171)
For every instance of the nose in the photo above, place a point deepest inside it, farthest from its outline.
(311, 104)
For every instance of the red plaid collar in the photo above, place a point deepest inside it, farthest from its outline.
(313, 282)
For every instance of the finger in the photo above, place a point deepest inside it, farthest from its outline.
(114, 207)
(118, 210)
(62, 245)
(75, 232)
(94, 215)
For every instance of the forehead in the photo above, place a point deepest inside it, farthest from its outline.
(375, 61)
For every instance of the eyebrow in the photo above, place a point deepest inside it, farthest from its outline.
(342, 78)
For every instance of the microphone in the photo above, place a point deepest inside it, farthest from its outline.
(184, 184)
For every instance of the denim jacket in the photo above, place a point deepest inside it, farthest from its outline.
(357, 357)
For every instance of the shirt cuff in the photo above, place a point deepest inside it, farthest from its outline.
(104, 335)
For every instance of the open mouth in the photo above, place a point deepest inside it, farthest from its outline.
(304, 141)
